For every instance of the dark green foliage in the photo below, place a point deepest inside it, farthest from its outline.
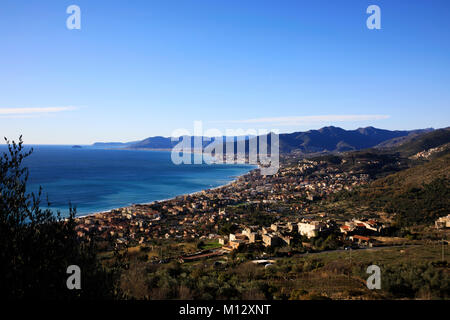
(37, 247)
(416, 205)
(200, 244)
(416, 281)
(419, 205)
(260, 218)
(424, 142)
(329, 158)
(227, 228)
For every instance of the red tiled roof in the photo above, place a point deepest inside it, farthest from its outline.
(361, 237)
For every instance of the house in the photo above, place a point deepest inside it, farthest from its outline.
(287, 239)
(361, 240)
(237, 236)
(309, 229)
(121, 240)
(263, 262)
(442, 222)
(270, 239)
(235, 244)
(251, 237)
(369, 225)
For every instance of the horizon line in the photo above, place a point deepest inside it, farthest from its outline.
(167, 137)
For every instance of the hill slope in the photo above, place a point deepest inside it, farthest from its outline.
(423, 142)
(395, 142)
(413, 196)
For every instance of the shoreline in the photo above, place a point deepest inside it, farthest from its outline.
(235, 178)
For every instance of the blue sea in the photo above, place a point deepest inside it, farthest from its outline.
(95, 180)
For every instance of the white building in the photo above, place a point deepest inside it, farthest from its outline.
(309, 229)
(443, 222)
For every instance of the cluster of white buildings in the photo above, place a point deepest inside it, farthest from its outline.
(277, 234)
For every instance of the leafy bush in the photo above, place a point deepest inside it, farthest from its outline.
(36, 247)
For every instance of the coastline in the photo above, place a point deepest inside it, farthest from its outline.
(235, 179)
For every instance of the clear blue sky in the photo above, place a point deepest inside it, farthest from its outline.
(144, 68)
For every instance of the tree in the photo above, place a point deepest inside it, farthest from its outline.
(37, 246)
(200, 244)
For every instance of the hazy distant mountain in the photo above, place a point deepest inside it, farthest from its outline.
(327, 139)
(162, 143)
(154, 143)
(112, 144)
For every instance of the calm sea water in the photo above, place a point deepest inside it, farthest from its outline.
(96, 180)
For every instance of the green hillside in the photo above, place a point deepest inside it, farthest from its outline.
(413, 196)
(423, 142)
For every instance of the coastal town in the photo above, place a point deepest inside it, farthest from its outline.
(310, 231)
(223, 215)
(225, 159)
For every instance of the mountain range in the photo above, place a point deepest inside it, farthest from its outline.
(324, 140)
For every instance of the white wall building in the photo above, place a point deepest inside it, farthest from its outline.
(309, 229)
(443, 222)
